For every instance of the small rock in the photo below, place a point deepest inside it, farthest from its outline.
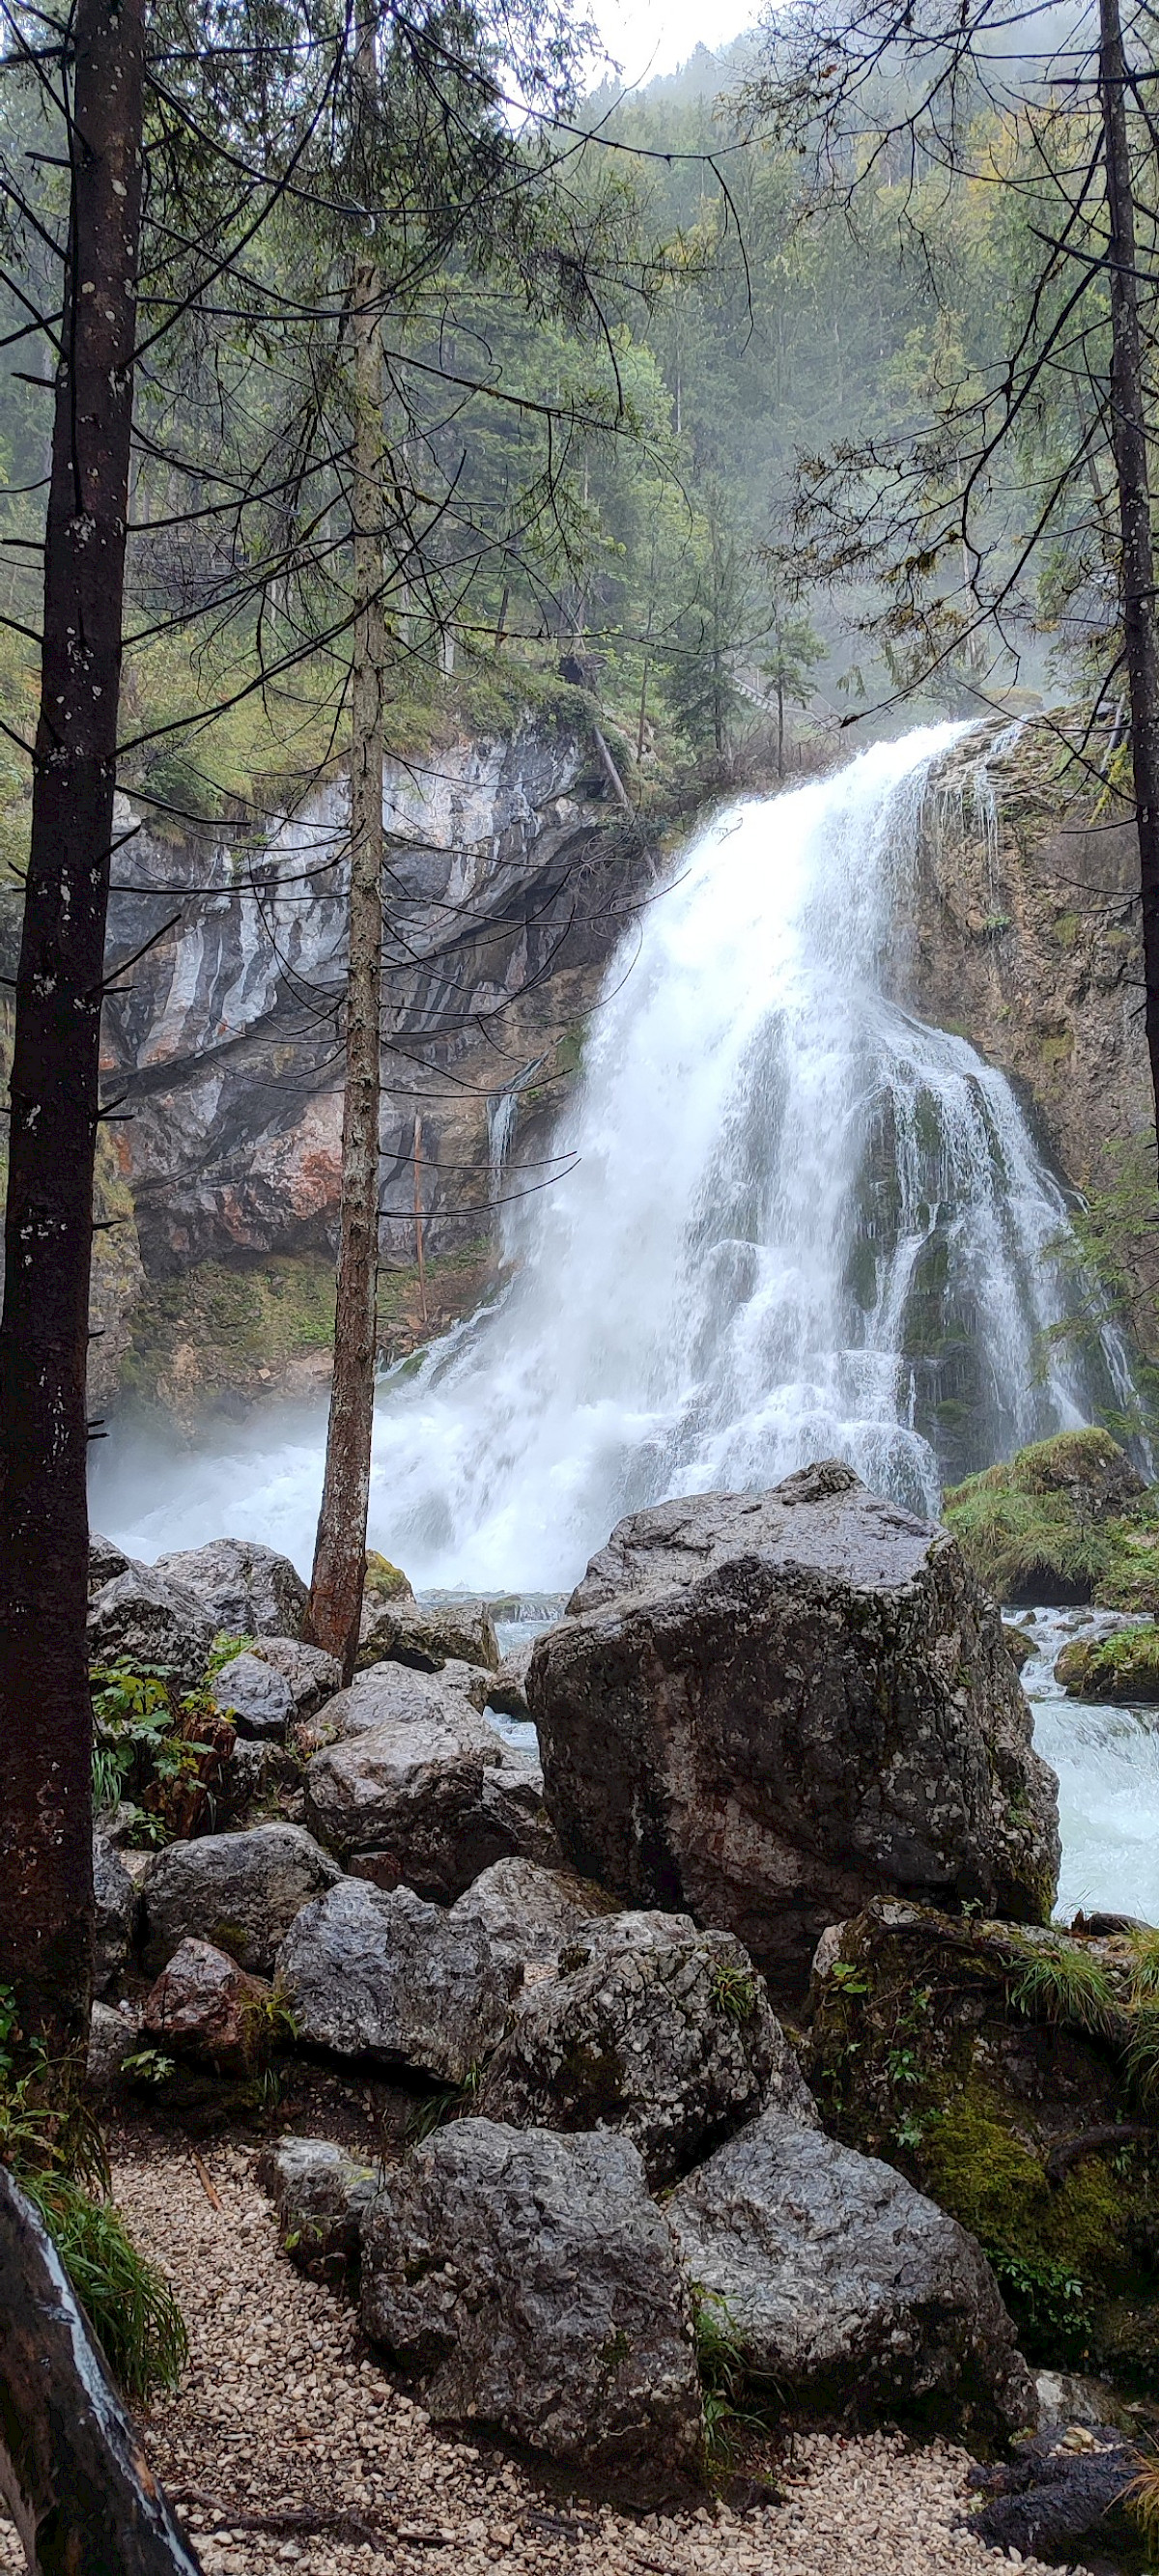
(427, 1635)
(257, 1697)
(205, 2008)
(846, 2287)
(239, 1891)
(117, 1903)
(508, 1691)
(651, 2028)
(397, 1695)
(113, 2036)
(249, 1591)
(320, 2195)
(528, 2285)
(368, 1974)
(145, 1618)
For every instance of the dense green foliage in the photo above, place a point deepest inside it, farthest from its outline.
(1065, 1520)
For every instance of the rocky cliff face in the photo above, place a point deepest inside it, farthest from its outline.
(508, 872)
(1025, 937)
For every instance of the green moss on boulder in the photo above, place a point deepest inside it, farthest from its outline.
(1068, 1520)
(968, 2054)
(1123, 1668)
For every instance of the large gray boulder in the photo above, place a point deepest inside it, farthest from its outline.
(321, 2196)
(240, 1891)
(846, 2287)
(651, 2028)
(106, 1560)
(117, 1904)
(142, 1617)
(421, 1799)
(530, 1914)
(248, 1590)
(528, 2285)
(257, 1697)
(426, 1634)
(383, 1976)
(769, 1708)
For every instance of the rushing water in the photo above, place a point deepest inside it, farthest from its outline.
(799, 1224)
(1107, 1760)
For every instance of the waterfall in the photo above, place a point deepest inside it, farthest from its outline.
(799, 1223)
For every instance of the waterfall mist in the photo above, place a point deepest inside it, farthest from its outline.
(799, 1224)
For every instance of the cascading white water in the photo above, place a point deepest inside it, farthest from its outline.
(799, 1223)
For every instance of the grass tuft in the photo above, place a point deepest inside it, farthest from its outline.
(1070, 1988)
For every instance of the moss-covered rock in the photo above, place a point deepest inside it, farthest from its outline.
(1068, 1520)
(1124, 1668)
(384, 1581)
(1006, 2072)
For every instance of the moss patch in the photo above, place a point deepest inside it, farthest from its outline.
(1123, 1668)
(1067, 1520)
(934, 2047)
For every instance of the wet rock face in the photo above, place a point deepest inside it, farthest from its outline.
(650, 2028)
(768, 1708)
(426, 1635)
(846, 2287)
(257, 1697)
(529, 2287)
(237, 1111)
(240, 1891)
(530, 1914)
(248, 1590)
(383, 1976)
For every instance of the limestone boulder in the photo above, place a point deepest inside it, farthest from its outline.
(113, 2036)
(526, 2284)
(508, 1690)
(248, 1590)
(106, 1560)
(768, 1708)
(651, 2028)
(397, 1695)
(846, 2288)
(255, 1695)
(205, 2009)
(530, 1914)
(377, 1975)
(419, 1800)
(321, 2196)
(426, 1634)
(117, 1904)
(143, 1617)
(313, 1675)
(241, 1891)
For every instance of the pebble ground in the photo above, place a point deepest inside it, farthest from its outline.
(282, 2414)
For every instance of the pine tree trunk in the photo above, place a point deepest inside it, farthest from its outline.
(1129, 442)
(45, 1713)
(339, 1554)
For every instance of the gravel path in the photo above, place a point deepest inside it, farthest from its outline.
(281, 2412)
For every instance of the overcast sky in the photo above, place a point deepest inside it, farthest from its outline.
(647, 36)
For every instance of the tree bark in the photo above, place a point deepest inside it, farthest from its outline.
(339, 1555)
(45, 1712)
(1129, 442)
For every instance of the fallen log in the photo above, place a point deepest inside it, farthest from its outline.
(73, 2476)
